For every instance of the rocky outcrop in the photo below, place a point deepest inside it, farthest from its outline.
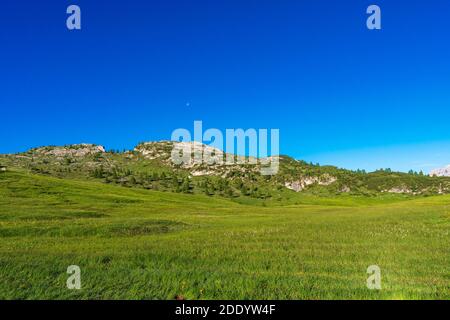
(200, 159)
(400, 190)
(76, 150)
(302, 183)
(442, 172)
(155, 150)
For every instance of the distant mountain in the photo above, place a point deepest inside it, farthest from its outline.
(441, 172)
(149, 165)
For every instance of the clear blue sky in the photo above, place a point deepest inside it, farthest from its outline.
(137, 70)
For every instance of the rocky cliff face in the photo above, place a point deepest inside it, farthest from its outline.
(302, 183)
(75, 150)
(442, 172)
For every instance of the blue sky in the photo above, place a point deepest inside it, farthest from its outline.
(339, 93)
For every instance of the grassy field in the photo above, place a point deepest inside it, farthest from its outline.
(139, 244)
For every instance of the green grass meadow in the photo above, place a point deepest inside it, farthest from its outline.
(140, 244)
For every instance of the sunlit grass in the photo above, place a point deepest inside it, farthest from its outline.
(139, 244)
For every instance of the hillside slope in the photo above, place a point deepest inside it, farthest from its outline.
(149, 166)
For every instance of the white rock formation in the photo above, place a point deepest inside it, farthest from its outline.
(76, 150)
(442, 172)
(302, 183)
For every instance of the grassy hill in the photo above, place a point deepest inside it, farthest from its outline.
(135, 243)
(149, 166)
